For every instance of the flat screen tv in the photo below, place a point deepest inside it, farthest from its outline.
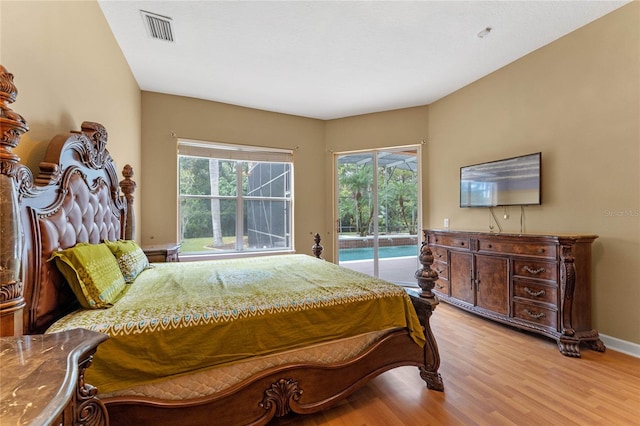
(509, 182)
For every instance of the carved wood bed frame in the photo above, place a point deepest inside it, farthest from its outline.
(76, 198)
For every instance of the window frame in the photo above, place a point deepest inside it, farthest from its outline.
(241, 154)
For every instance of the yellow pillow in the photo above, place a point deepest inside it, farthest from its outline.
(92, 273)
(131, 259)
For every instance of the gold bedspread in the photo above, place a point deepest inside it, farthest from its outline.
(178, 318)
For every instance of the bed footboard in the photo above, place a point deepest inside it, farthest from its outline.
(424, 303)
(298, 388)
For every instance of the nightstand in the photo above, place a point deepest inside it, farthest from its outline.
(162, 252)
(43, 379)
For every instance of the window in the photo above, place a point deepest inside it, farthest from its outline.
(234, 198)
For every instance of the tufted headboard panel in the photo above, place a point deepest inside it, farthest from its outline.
(74, 199)
(83, 215)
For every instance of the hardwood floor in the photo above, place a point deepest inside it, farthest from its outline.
(495, 375)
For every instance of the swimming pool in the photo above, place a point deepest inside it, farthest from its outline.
(383, 252)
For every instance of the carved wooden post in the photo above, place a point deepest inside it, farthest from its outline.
(317, 248)
(426, 276)
(128, 186)
(12, 126)
(425, 302)
(568, 279)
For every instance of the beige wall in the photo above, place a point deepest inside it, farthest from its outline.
(165, 116)
(578, 101)
(68, 69)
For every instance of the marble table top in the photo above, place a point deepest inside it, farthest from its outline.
(39, 374)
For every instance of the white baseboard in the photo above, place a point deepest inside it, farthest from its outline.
(620, 345)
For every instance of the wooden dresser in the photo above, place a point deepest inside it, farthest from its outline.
(540, 283)
(42, 380)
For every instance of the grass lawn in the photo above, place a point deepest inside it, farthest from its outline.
(190, 245)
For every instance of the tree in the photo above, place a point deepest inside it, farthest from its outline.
(356, 184)
(214, 177)
(195, 212)
(397, 200)
(399, 194)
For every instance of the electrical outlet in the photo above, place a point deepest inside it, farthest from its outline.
(446, 222)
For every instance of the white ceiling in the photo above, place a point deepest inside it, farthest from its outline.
(331, 59)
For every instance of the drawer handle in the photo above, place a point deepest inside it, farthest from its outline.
(534, 293)
(533, 271)
(462, 243)
(541, 250)
(439, 271)
(532, 315)
(490, 246)
(440, 286)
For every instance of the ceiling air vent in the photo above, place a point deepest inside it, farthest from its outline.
(158, 26)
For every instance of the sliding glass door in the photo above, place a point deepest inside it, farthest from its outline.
(378, 212)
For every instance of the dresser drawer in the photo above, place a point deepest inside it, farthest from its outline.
(441, 268)
(534, 269)
(527, 249)
(535, 314)
(532, 290)
(442, 286)
(457, 241)
(439, 253)
(449, 240)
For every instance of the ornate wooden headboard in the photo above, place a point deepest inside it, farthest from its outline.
(75, 198)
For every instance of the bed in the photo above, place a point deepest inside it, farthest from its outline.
(77, 199)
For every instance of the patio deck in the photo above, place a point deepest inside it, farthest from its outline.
(399, 270)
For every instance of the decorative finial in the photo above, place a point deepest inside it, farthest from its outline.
(426, 276)
(12, 125)
(317, 248)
